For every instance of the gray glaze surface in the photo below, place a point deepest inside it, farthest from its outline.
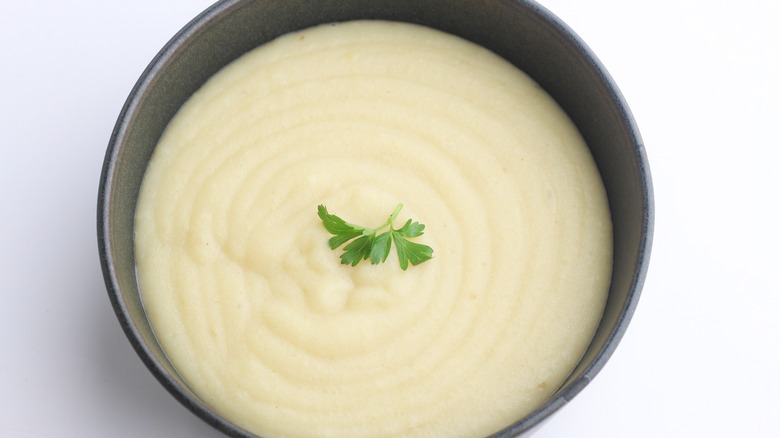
(521, 31)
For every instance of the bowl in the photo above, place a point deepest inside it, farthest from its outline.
(522, 32)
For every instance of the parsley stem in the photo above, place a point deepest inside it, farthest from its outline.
(395, 213)
(390, 220)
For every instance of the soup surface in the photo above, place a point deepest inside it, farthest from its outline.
(255, 310)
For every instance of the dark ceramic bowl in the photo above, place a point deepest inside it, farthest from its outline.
(521, 31)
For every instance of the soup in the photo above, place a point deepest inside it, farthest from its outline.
(257, 313)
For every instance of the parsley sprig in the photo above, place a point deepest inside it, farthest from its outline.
(370, 246)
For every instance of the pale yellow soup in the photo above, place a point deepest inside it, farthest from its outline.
(255, 310)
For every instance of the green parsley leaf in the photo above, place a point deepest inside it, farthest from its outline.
(410, 252)
(381, 248)
(357, 250)
(411, 229)
(375, 248)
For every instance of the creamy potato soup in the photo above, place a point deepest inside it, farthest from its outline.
(266, 325)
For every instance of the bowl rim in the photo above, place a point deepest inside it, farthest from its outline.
(530, 422)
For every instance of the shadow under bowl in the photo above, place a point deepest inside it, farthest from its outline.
(522, 32)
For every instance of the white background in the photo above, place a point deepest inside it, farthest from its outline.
(699, 359)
